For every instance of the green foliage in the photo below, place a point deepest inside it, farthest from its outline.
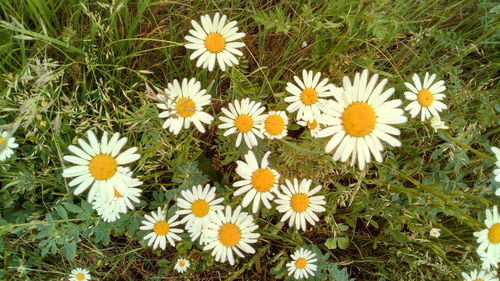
(69, 66)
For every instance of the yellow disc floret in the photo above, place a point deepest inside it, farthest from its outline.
(301, 263)
(200, 208)
(494, 233)
(215, 43)
(309, 96)
(103, 167)
(274, 125)
(425, 97)
(243, 123)
(161, 228)
(299, 202)
(229, 234)
(185, 107)
(263, 180)
(359, 119)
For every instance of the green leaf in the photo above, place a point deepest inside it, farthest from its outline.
(72, 208)
(62, 212)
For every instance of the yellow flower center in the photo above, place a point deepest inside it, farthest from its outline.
(185, 107)
(103, 167)
(229, 234)
(312, 125)
(478, 279)
(425, 97)
(1, 140)
(359, 119)
(161, 228)
(215, 43)
(117, 194)
(80, 276)
(299, 202)
(309, 96)
(243, 123)
(301, 263)
(494, 233)
(182, 263)
(263, 180)
(200, 208)
(274, 124)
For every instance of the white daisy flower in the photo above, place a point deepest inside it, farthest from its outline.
(230, 232)
(79, 274)
(110, 210)
(307, 97)
(435, 232)
(360, 118)
(7, 145)
(299, 204)
(489, 238)
(437, 124)
(425, 97)
(274, 125)
(259, 182)
(303, 264)
(244, 118)
(182, 265)
(215, 41)
(314, 126)
(183, 104)
(196, 205)
(162, 229)
(97, 165)
(479, 276)
(496, 172)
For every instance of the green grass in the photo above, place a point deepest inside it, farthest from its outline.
(110, 58)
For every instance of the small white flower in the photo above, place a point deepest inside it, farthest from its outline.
(183, 103)
(182, 265)
(437, 124)
(196, 205)
(259, 181)
(274, 125)
(244, 118)
(7, 145)
(79, 274)
(435, 232)
(299, 204)
(230, 232)
(496, 172)
(303, 264)
(426, 97)
(314, 126)
(215, 41)
(479, 276)
(308, 96)
(97, 165)
(304, 44)
(162, 230)
(489, 238)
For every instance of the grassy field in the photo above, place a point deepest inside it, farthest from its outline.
(68, 66)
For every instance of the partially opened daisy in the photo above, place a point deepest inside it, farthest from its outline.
(182, 265)
(244, 118)
(79, 274)
(479, 276)
(183, 104)
(299, 204)
(196, 205)
(360, 118)
(260, 182)
(303, 264)
(215, 41)
(274, 124)
(489, 238)
(7, 145)
(230, 232)
(425, 96)
(435, 232)
(437, 124)
(110, 210)
(162, 230)
(97, 164)
(314, 126)
(307, 97)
